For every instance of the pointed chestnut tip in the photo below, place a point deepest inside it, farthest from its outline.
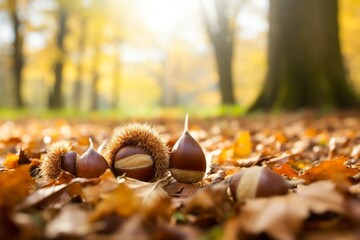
(91, 163)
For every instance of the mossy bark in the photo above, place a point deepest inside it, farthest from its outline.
(304, 58)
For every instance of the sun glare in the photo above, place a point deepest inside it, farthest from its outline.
(163, 16)
(166, 17)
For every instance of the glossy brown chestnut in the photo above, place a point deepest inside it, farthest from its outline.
(68, 162)
(256, 182)
(187, 159)
(134, 162)
(91, 164)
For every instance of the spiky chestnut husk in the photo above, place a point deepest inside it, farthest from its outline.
(256, 182)
(143, 138)
(58, 157)
(91, 164)
(187, 159)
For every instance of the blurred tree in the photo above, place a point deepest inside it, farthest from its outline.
(18, 56)
(116, 80)
(219, 18)
(304, 58)
(83, 25)
(55, 97)
(95, 72)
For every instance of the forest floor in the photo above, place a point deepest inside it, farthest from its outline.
(317, 156)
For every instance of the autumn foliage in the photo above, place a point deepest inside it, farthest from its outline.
(317, 156)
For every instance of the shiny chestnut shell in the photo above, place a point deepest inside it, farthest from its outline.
(257, 182)
(91, 164)
(69, 161)
(187, 160)
(134, 162)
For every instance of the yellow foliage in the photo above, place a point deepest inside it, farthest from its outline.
(349, 20)
(243, 145)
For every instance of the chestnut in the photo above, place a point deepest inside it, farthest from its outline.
(256, 182)
(187, 159)
(91, 164)
(137, 151)
(134, 162)
(58, 157)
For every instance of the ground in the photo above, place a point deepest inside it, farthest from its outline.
(316, 155)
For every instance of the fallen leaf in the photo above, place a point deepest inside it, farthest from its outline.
(243, 145)
(226, 154)
(93, 193)
(15, 185)
(72, 221)
(329, 169)
(122, 201)
(281, 217)
(181, 190)
(285, 170)
(11, 161)
(211, 200)
(150, 193)
(56, 196)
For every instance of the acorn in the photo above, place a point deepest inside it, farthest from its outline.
(187, 159)
(137, 151)
(256, 182)
(91, 164)
(59, 157)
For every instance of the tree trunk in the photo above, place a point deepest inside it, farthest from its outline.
(56, 98)
(95, 78)
(116, 82)
(77, 93)
(18, 56)
(224, 54)
(221, 35)
(304, 58)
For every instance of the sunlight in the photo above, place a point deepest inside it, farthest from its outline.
(162, 15)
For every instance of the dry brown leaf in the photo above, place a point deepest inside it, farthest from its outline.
(281, 217)
(329, 169)
(211, 201)
(181, 190)
(150, 193)
(72, 221)
(107, 183)
(55, 196)
(285, 170)
(122, 201)
(14, 185)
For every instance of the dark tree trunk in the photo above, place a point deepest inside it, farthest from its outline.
(222, 38)
(223, 48)
(18, 56)
(304, 58)
(56, 97)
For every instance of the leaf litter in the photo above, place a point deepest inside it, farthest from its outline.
(318, 156)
